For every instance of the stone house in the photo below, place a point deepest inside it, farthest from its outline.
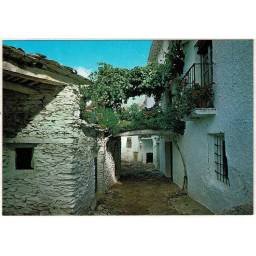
(216, 150)
(53, 161)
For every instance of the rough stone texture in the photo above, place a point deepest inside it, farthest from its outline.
(233, 101)
(108, 159)
(84, 173)
(114, 146)
(41, 110)
(51, 113)
(63, 178)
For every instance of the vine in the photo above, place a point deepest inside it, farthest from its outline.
(112, 87)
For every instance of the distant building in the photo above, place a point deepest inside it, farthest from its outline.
(141, 148)
(217, 146)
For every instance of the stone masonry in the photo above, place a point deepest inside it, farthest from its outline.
(108, 162)
(62, 180)
(63, 176)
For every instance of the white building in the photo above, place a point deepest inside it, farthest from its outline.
(143, 148)
(217, 146)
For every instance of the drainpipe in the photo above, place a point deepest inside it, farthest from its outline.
(185, 178)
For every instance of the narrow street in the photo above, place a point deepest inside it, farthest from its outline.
(144, 191)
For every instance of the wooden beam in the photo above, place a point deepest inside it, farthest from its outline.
(18, 88)
(14, 71)
(34, 140)
(32, 83)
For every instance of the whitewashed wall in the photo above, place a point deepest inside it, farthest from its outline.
(147, 147)
(127, 154)
(233, 77)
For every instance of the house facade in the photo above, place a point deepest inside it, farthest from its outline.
(216, 151)
(141, 148)
(53, 161)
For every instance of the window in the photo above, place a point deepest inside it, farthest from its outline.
(129, 142)
(135, 156)
(205, 51)
(149, 158)
(24, 158)
(221, 163)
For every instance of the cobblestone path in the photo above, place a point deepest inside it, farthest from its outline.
(144, 191)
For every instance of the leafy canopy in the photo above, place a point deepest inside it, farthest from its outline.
(111, 87)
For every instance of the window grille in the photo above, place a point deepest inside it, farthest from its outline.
(221, 163)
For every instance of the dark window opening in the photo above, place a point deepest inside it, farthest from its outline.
(206, 65)
(149, 158)
(96, 173)
(24, 158)
(129, 142)
(221, 162)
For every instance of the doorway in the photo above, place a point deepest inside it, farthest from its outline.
(96, 173)
(169, 160)
(149, 158)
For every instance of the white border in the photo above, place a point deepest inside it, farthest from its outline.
(133, 19)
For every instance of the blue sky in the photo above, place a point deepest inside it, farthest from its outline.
(85, 54)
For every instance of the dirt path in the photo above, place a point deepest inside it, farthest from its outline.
(143, 191)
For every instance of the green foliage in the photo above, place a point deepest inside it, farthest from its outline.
(187, 98)
(146, 81)
(111, 87)
(114, 86)
(135, 118)
(173, 65)
(105, 117)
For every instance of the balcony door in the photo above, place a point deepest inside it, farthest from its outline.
(206, 64)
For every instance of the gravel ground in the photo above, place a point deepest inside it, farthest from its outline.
(144, 191)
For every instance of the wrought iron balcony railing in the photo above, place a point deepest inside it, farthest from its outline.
(199, 78)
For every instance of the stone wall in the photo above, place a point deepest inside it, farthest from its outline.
(47, 189)
(83, 172)
(114, 147)
(63, 178)
(52, 112)
(108, 162)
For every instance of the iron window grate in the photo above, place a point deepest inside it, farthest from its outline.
(221, 164)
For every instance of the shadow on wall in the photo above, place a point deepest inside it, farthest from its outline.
(19, 109)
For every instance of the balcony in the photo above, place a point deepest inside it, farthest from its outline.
(197, 85)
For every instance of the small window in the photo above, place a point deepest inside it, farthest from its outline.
(24, 158)
(149, 158)
(221, 162)
(129, 142)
